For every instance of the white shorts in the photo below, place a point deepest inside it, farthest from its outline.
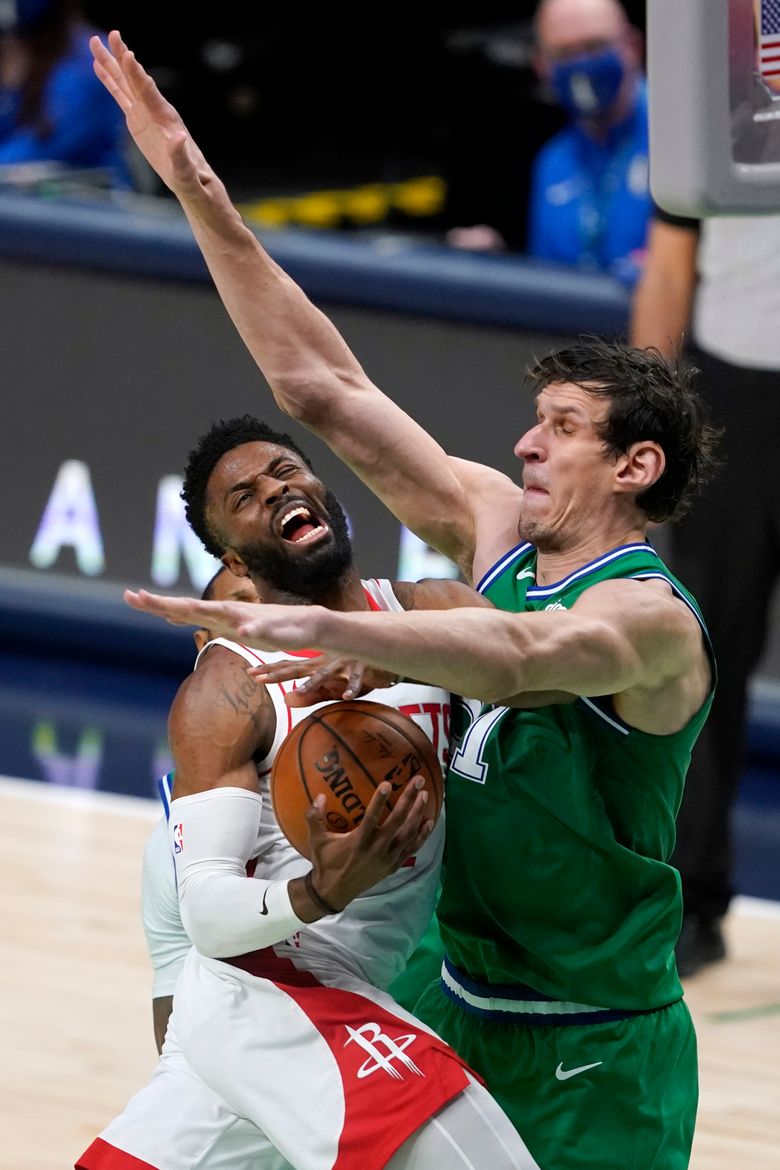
(177, 1122)
(331, 1072)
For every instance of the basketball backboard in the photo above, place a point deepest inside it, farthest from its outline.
(714, 84)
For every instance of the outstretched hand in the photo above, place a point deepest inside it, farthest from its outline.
(155, 125)
(345, 865)
(266, 627)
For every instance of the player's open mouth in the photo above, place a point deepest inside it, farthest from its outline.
(299, 525)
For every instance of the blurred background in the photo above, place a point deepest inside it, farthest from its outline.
(355, 147)
(459, 194)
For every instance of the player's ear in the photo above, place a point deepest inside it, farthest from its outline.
(640, 467)
(200, 638)
(234, 563)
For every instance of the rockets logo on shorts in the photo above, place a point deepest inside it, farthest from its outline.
(369, 1037)
(178, 838)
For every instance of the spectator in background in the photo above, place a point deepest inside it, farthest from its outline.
(730, 556)
(590, 203)
(52, 107)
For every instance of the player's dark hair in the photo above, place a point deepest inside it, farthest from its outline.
(222, 437)
(651, 399)
(208, 592)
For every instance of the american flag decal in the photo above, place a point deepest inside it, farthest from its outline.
(769, 39)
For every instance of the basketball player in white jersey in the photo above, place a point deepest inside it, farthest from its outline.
(167, 941)
(282, 1049)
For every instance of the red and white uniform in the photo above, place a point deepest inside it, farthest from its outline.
(288, 1054)
(373, 938)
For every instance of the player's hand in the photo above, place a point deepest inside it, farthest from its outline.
(266, 627)
(155, 125)
(347, 864)
(325, 678)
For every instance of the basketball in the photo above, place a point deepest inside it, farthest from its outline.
(345, 750)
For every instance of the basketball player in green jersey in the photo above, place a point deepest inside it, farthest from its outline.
(559, 911)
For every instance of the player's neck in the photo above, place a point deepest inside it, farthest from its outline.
(344, 595)
(555, 565)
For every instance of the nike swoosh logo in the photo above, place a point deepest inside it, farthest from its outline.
(561, 1075)
(521, 576)
(265, 908)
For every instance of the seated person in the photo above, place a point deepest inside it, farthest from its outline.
(52, 107)
(590, 202)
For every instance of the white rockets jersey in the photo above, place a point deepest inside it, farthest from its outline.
(374, 936)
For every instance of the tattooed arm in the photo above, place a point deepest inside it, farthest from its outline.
(221, 721)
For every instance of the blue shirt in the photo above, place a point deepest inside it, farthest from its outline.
(590, 201)
(87, 126)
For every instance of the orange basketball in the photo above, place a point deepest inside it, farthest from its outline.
(345, 750)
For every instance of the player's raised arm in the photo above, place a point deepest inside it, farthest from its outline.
(309, 367)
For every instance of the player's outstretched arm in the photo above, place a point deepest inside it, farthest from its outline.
(308, 365)
(632, 640)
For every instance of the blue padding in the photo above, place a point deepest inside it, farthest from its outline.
(423, 280)
(56, 616)
(764, 721)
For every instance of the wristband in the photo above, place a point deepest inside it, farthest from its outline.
(317, 898)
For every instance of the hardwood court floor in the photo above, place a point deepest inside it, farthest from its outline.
(75, 1018)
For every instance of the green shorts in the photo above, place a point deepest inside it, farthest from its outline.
(618, 1095)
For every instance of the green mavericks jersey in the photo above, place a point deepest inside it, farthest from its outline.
(560, 823)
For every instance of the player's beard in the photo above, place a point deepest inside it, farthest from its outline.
(312, 574)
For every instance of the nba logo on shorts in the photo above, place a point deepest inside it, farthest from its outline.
(178, 839)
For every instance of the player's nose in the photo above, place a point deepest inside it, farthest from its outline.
(273, 489)
(529, 445)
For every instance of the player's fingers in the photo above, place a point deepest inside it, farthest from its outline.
(405, 801)
(286, 670)
(297, 698)
(375, 810)
(180, 611)
(426, 828)
(315, 821)
(399, 830)
(143, 87)
(327, 674)
(355, 681)
(108, 72)
(407, 837)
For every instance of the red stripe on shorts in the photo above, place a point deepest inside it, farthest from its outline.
(395, 1075)
(266, 964)
(102, 1156)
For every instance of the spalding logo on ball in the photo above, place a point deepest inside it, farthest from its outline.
(346, 750)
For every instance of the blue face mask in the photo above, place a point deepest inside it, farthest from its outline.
(586, 86)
